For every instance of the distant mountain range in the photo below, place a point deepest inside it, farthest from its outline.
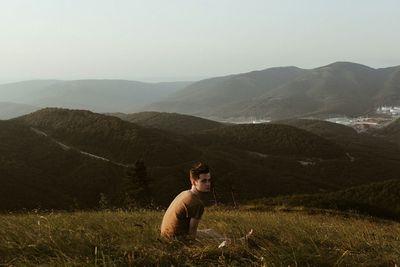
(95, 95)
(11, 110)
(340, 88)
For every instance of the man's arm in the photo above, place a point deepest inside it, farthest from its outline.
(194, 223)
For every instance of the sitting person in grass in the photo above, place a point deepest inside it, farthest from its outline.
(184, 213)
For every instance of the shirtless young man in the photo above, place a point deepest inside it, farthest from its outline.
(184, 213)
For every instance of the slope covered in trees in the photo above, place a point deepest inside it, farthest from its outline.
(247, 161)
(38, 173)
(377, 199)
(272, 139)
(391, 132)
(110, 137)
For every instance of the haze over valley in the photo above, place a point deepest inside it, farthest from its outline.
(95, 95)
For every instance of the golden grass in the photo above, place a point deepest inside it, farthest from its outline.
(118, 238)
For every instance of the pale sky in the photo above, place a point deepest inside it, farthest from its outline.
(165, 40)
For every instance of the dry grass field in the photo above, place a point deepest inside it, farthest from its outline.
(119, 238)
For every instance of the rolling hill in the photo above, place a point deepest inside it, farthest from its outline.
(278, 93)
(299, 160)
(322, 128)
(109, 137)
(368, 146)
(249, 161)
(272, 139)
(165, 154)
(174, 122)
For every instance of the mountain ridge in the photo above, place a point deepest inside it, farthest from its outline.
(339, 88)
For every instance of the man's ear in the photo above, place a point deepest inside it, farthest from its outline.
(192, 181)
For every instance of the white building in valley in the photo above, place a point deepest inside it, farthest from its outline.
(390, 110)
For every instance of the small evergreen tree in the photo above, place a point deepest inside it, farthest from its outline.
(103, 202)
(137, 186)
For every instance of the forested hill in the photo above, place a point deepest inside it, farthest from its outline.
(370, 148)
(38, 173)
(322, 128)
(390, 132)
(253, 161)
(272, 139)
(110, 137)
(377, 199)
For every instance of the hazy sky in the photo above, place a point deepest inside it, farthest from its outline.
(190, 39)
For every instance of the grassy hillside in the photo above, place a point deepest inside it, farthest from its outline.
(131, 239)
(174, 122)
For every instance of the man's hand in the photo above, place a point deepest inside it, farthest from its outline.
(194, 223)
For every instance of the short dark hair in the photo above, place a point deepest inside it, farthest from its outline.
(197, 169)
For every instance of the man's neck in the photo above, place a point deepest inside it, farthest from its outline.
(195, 191)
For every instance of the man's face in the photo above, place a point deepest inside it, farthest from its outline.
(203, 184)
